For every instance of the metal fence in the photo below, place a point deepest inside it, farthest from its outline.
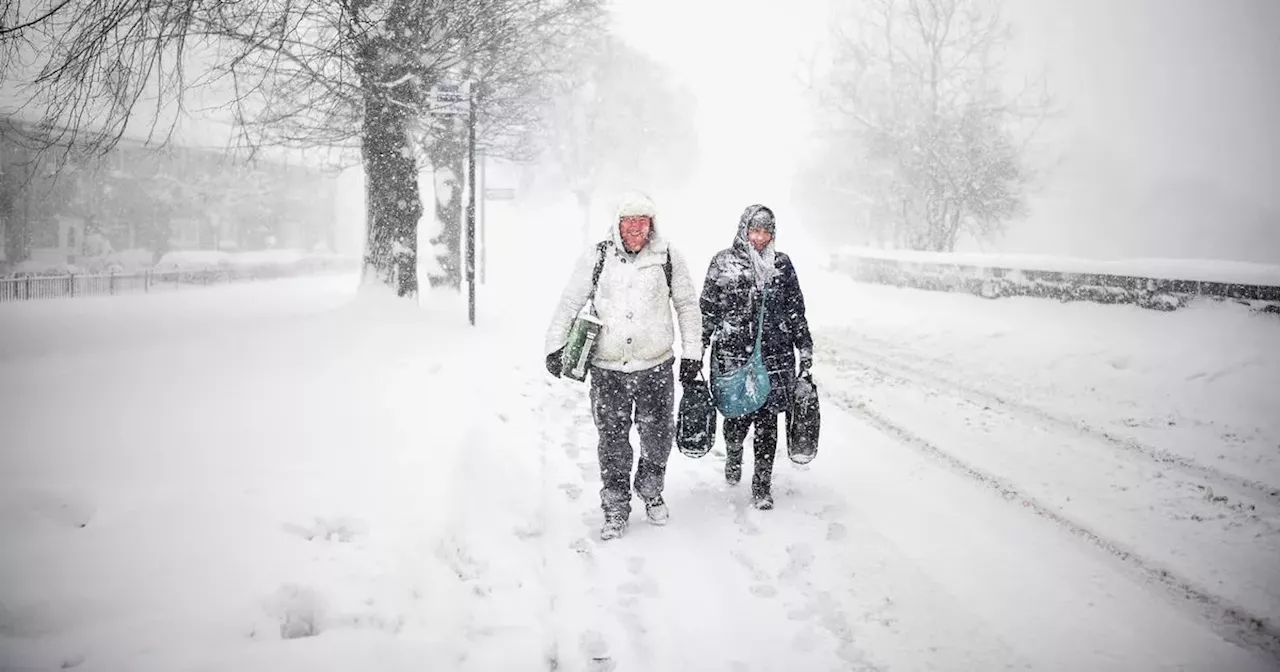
(31, 287)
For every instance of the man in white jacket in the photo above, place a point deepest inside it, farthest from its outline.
(641, 277)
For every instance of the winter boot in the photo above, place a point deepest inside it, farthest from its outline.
(761, 492)
(732, 464)
(615, 525)
(656, 510)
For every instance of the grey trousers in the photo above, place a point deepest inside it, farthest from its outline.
(765, 442)
(646, 398)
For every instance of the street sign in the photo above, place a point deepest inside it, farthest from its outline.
(449, 99)
(499, 194)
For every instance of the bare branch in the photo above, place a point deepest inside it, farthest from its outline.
(924, 123)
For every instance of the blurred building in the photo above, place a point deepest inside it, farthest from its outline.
(151, 200)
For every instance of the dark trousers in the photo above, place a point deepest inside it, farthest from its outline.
(618, 399)
(765, 421)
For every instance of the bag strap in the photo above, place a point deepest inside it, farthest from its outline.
(764, 295)
(666, 267)
(595, 273)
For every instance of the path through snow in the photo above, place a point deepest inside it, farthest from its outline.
(375, 487)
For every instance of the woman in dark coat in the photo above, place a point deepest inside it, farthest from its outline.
(736, 280)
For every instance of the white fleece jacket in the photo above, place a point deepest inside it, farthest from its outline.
(633, 303)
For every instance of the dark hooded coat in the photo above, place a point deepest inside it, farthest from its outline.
(730, 302)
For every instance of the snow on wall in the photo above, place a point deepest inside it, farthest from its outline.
(1161, 284)
(1197, 270)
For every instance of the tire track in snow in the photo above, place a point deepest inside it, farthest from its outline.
(845, 351)
(1237, 624)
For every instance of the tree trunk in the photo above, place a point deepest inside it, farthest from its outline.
(446, 155)
(937, 219)
(392, 198)
(953, 229)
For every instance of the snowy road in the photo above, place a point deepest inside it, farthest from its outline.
(310, 485)
(1207, 537)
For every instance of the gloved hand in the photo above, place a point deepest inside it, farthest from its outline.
(806, 362)
(689, 369)
(553, 362)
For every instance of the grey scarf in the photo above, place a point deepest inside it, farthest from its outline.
(762, 263)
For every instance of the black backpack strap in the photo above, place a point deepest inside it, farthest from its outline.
(602, 246)
(666, 267)
(595, 274)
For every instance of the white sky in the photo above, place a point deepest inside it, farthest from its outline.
(1156, 90)
(742, 63)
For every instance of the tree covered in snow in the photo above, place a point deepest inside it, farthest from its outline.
(616, 119)
(347, 74)
(922, 139)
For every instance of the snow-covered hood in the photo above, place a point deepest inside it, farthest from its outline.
(741, 243)
(632, 204)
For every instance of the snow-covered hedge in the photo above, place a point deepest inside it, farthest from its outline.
(257, 264)
(125, 261)
(1161, 284)
(36, 280)
(250, 265)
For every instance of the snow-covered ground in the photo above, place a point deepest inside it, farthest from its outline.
(283, 476)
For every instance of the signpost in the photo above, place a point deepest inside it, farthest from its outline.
(499, 193)
(457, 100)
(471, 206)
(482, 219)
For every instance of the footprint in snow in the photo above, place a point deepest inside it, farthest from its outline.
(800, 614)
(746, 562)
(836, 531)
(743, 518)
(337, 530)
(637, 633)
(299, 609)
(805, 640)
(834, 509)
(642, 586)
(799, 558)
(571, 490)
(764, 591)
(527, 532)
(596, 651)
(583, 549)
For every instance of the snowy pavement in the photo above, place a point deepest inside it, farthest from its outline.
(298, 481)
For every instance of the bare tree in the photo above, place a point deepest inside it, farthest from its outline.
(615, 118)
(345, 75)
(917, 99)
